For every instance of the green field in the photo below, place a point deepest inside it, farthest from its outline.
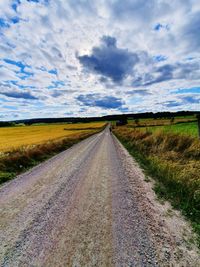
(188, 128)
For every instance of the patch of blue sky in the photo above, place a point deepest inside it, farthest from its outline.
(53, 71)
(56, 84)
(25, 86)
(25, 76)
(15, 4)
(15, 20)
(22, 73)
(35, 1)
(160, 26)
(16, 63)
(39, 1)
(135, 100)
(15, 82)
(14, 7)
(8, 82)
(3, 100)
(9, 107)
(4, 23)
(159, 58)
(193, 90)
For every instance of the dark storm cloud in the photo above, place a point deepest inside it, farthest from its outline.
(96, 100)
(110, 61)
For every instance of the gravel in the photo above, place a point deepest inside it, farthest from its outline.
(90, 206)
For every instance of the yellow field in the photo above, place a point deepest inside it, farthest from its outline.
(15, 137)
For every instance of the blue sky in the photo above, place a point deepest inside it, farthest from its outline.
(84, 58)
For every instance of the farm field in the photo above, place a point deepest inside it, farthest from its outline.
(161, 121)
(188, 128)
(23, 147)
(19, 136)
(181, 125)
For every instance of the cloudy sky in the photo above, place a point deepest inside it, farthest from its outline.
(85, 57)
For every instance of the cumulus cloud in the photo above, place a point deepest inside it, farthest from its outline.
(167, 72)
(96, 100)
(110, 61)
(131, 55)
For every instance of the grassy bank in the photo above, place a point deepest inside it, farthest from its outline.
(174, 161)
(21, 159)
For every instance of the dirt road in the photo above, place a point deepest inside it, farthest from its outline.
(89, 206)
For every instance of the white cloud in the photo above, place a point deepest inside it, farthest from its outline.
(49, 35)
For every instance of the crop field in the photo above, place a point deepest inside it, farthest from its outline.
(14, 137)
(161, 121)
(188, 128)
(23, 147)
(170, 155)
(181, 125)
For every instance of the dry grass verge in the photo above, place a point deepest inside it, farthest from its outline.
(174, 161)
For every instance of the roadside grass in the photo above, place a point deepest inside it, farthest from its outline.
(22, 158)
(173, 160)
(17, 136)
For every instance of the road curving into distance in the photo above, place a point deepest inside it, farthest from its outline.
(88, 206)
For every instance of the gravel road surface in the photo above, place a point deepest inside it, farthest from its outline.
(90, 206)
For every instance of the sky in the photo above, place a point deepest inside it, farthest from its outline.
(64, 58)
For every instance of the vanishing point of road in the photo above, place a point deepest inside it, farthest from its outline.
(87, 206)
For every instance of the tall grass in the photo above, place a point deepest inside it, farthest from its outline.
(174, 161)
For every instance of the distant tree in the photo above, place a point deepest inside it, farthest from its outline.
(6, 124)
(122, 121)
